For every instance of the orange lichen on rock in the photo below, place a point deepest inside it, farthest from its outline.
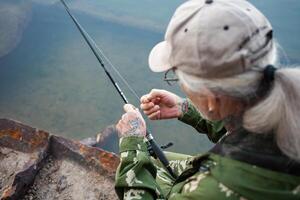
(39, 140)
(8, 192)
(109, 161)
(14, 134)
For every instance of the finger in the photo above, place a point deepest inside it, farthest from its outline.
(130, 115)
(155, 115)
(155, 93)
(156, 100)
(154, 109)
(144, 99)
(129, 108)
(118, 125)
(124, 117)
(147, 106)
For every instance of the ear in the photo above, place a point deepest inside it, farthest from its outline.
(212, 103)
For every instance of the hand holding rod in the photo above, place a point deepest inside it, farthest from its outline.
(154, 149)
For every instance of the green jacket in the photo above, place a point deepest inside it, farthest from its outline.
(218, 174)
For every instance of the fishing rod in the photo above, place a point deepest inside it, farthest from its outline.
(153, 148)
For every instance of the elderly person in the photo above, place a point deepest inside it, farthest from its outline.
(223, 54)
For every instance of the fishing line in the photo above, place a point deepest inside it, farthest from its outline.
(117, 72)
(103, 55)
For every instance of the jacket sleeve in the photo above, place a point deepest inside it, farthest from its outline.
(214, 130)
(135, 177)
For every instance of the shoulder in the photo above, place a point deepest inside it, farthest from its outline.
(203, 185)
(226, 178)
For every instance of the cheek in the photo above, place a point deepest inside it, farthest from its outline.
(229, 107)
(201, 104)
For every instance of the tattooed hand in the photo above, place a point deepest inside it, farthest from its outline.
(131, 123)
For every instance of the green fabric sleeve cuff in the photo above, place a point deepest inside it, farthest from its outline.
(191, 115)
(132, 143)
(213, 129)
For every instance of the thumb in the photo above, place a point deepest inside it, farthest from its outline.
(129, 108)
(155, 93)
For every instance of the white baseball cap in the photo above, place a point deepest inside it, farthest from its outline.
(213, 38)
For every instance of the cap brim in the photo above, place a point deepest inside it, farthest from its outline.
(159, 57)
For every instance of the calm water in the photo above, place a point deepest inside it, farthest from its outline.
(50, 79)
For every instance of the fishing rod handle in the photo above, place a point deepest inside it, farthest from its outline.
(157, 152)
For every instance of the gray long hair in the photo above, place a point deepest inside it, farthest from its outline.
(277, 112)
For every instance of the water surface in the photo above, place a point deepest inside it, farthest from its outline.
(50, 79)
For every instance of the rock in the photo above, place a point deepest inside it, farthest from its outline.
(45, 166)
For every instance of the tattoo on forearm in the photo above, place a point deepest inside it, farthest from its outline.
(184, 106)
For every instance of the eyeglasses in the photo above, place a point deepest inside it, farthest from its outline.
(170, 76)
